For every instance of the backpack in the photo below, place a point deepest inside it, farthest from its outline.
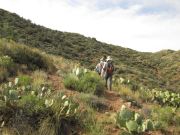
(110, 68)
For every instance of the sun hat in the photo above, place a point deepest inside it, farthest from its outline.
(109, 58)
(101, 59)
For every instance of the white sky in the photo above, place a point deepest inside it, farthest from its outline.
(144, 26)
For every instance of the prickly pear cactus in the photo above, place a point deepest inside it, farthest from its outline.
(126, 114)
(120, 121)
(13, 94)
(140, 129)
(147, 125)
(150, 125)
(138, 118)
(132, 122)
(132, 126)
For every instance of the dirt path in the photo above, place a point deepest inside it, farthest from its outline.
(57, 82)
(114, 100)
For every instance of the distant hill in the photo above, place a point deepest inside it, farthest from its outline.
(159, 69)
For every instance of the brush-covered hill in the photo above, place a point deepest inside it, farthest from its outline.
(43, 94)
(159, 69)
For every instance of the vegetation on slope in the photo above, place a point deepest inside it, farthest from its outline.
(148, 69)
(31, 103)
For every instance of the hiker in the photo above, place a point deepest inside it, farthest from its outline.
(100, 65)
(108, 70)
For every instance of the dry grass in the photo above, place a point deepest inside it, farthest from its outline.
(39, 78)
(21, 54)
(63, 64)
(124, 91)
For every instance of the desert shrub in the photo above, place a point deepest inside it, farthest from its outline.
(71, 81)
(133, 85)
(91, 83)
(6, 62)
(89, 122)
(63, 106)
(64, 65)
(177, 117)
(127, 94)
(85, 81)
(145, 94)
(24, 55)
(62, 116)
(124, 91)
(164, 116)
(7, 68)
(19, 106)
(98, 104)
(24, 80)
(39, 78)
(31, 104)
(47, 127)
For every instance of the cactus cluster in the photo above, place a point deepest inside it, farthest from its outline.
(132, 122)
(166, 97)
(63, 106)
(13, 91)
(14, 94)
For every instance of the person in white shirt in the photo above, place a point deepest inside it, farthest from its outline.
(100, 66)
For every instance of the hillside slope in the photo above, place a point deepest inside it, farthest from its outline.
(40, 95)
(148, 69)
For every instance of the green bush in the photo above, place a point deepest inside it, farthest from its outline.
(85, 81)
(89, 123)
(7, 68)
(22, 54)
(177, 117)
(71, 81)
(31, 104)
(145, 94)
(39, 78)
(39, 111)
(6, 61)
(91, 83)
(98, 104)
(62, 112)
(164, 116)
(24, 80)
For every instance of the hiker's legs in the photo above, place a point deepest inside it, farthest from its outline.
(106, 84)
(109, 82)
(106, 80)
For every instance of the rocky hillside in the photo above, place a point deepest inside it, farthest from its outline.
(159, 69)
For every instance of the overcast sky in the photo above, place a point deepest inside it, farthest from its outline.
(143, 25)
